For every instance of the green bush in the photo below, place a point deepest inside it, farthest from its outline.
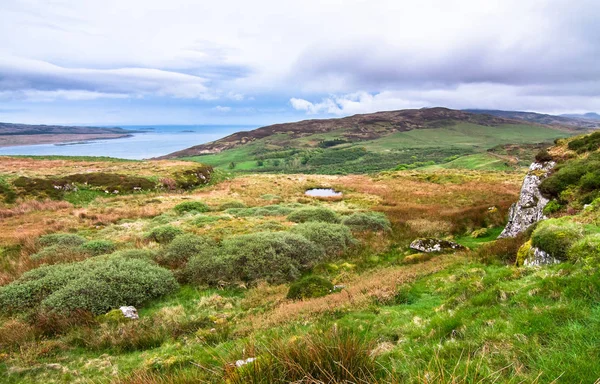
(367, 221)
(314, 214)
(231, 204)
(543, 156)
(202, 220)
(164, 234)
(276, 257)
(183, 247)
(268, 210)
(54, 254)
(552, 207)
(309, 287)
(555, 236)
(191, 206)
(586, 250)
(99, 247)
(587, 143)
(334, 238)
(62, 239)
(96, 285)
(141, 254)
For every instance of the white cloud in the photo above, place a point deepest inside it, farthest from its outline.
(220, 108)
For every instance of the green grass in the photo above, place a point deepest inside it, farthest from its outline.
(282, 153)
(480, 161)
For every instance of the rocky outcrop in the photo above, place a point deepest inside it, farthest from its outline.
(539, 258)
(435, 245)
(530, 207)
(530, 256)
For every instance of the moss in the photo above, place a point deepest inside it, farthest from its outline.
(555, 236)
(523, 253)
(309, 287)
(164, 234)
(314, 214)
(115, 316)
(191, 206)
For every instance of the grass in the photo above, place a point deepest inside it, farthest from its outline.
(469, 142)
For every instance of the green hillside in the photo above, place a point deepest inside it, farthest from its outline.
(333, 153)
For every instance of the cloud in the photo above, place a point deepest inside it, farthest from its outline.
(314, 57)
(220, 108)
(25, 77)
(480, 95)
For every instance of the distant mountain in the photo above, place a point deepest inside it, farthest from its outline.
(540, 118)
(28, 129)
(26, 134)
(585, 116)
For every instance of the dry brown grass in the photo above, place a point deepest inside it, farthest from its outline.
(32, 206)
(359, 291)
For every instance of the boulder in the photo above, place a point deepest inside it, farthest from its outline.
(529, 209)
(130, 312)
(539, 258)
(435, 245)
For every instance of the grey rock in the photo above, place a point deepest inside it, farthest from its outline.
(435, 245)
(530, 207)
(538, 258)
(130, 312)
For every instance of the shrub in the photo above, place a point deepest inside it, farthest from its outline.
(55, 254)
(140, 254)
(586, 250)
(585, 143)
(201, 220)
(231, 204)
(191, 206)
(334, 238)
(268, 210)
(309, 287)
(371, 221)
(96, 285)
(99, 247)
(276, 257)
(314, 214)
(62, 239)
(552, 207)
(543, 156)
(590, 181)
(555, 236)
(192, 178)
(183, 247)
(164, 234)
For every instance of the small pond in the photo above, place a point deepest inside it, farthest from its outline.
(323, 192)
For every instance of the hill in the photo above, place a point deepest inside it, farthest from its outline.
(572, 121)
(26, 134)
(586, 116)
(369, 142)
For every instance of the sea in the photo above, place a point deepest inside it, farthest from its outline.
(147, 141)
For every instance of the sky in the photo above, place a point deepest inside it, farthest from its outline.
(124, 62)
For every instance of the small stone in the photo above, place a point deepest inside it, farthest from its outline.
(430, 245)
(130, 312)
(241, 363)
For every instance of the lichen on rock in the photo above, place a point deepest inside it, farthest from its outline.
(530, 207)
(430, 245)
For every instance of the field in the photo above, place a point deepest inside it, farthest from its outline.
(396, 316)
(333, 153)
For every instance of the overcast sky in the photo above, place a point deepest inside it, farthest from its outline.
(266, 61)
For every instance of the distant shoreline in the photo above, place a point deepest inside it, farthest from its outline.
(7, 141)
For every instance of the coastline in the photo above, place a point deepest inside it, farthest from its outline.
(7, 141)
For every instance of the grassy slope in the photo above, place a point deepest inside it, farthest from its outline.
(402, 147)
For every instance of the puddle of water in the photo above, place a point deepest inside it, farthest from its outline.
(323, 192)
